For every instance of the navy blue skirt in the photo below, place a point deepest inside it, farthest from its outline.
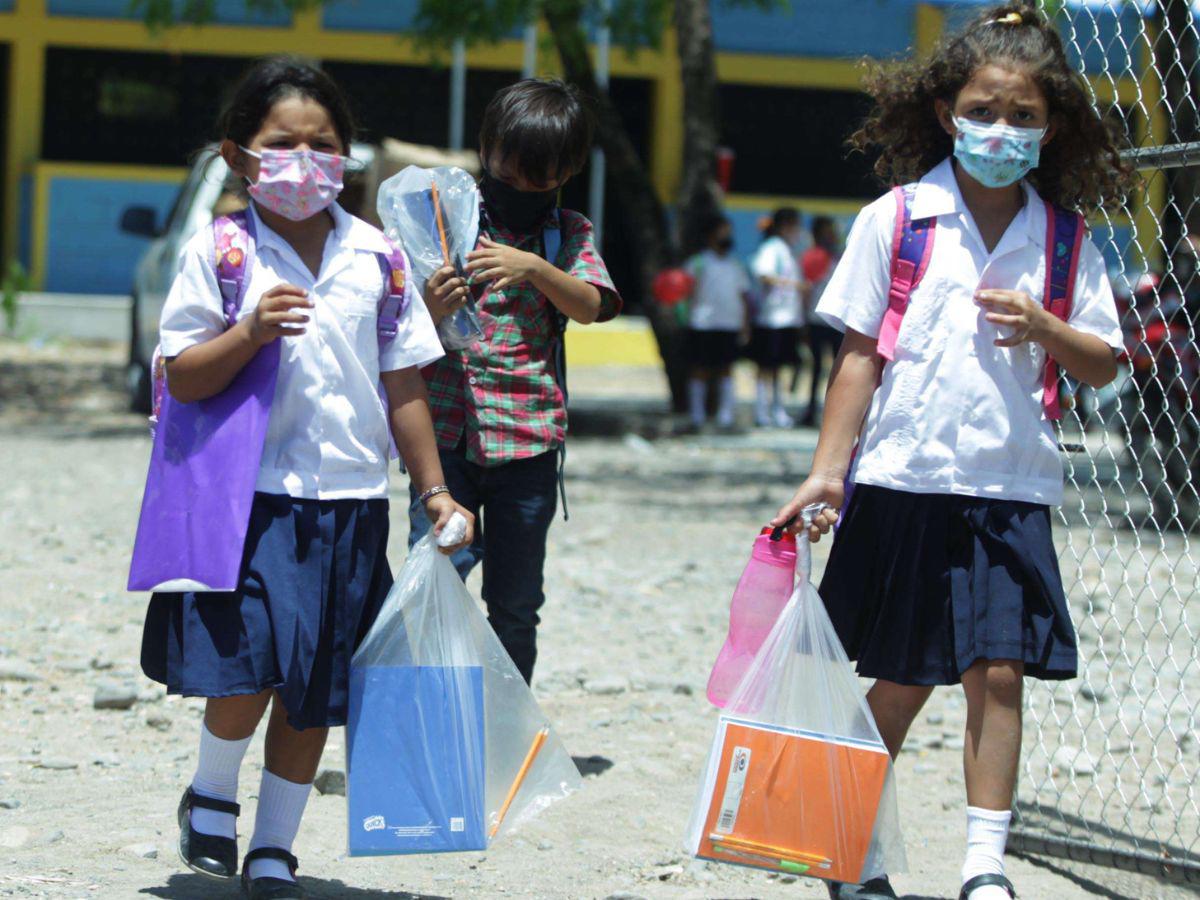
(921, 586)
(314, 576)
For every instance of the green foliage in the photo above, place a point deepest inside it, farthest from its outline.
(14, 283)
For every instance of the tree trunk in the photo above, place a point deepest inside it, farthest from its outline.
(631, 181)
(699, 194)
(1177, 55)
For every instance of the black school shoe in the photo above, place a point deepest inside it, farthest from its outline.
(208, 854)
(984, 880)
(271, 888)
(875, 889)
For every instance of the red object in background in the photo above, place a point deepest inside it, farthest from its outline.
(672, 286)
(816, 262)
(725, 158)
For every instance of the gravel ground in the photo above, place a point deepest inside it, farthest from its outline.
(638, 581)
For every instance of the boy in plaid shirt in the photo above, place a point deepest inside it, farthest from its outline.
(498, 407)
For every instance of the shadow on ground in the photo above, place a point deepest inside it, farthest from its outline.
(198, 887)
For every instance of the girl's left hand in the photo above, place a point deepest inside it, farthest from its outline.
(1016, 310)
(501, 264)
(439, 508)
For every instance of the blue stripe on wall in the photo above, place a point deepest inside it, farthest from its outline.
(228, 12)
(25, 221)
(832, 28)
(87, 252)
(369, 15)
(6, 5)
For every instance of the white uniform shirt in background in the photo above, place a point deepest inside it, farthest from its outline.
(781, 305)
(328, 435)
(956, 414)
(721, 283)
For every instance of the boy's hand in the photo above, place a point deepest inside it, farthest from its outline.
(501, 264)
(439, 508)
(445, 293)
(1016, 310)
(831, 492)
(274, 317)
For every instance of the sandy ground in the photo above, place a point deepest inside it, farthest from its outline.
(639, 583)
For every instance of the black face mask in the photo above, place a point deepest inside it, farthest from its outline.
(725, 245)
(518, 211)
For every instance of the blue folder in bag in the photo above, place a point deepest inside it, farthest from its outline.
(415, 760)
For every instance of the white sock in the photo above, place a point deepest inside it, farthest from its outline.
(217, 777)
(987, 832)
(280, 808)
(762, 402)
(776, 399)
(726, 411)
(697, 396)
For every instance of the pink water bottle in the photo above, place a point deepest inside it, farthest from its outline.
(765, 587)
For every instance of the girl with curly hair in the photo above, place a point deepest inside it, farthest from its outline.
(943, 570)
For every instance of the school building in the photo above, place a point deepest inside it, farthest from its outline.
(103, 113)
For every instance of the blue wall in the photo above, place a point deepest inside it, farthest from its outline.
(86, 250)
(849, 28)
(229, 12)
(369, 15)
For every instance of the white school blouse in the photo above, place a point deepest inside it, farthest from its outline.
(717, 300)
(956, 414)
(781, 306)
(328, 435)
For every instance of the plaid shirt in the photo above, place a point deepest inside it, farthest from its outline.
(501, 396)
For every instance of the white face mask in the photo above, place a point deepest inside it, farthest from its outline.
(996, 155)
(297, 184)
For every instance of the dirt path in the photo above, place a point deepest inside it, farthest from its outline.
(639, 582)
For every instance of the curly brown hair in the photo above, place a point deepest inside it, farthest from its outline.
(1081, 168)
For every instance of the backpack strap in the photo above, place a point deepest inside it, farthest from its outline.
(551, 245)
(1064, 241)
(392, 304)
(233, 239)
(912, 245)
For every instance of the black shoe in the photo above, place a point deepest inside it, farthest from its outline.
(982, 881)
(207, 854)
(271, 888)
(874, 889)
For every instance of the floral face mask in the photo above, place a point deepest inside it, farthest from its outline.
(996, 155)
(297, 184)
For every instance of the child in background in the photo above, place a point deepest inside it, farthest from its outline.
(779, 315)
(719, 318)
(944, 568)
(816, 265)
(499, 407)
(315, 570)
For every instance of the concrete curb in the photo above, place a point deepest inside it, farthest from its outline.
(88, 317)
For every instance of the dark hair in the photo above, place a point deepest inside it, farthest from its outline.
(276, 78)
(1081, 167)
(784, 217)
(713, 224)
(822, 223)
(542, 125)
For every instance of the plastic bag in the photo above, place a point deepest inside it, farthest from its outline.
(409, 204)
(446, 747)
(798, 779)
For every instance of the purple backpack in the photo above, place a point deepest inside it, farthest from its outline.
(206, 455)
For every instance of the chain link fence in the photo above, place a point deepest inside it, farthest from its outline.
(1112, 759)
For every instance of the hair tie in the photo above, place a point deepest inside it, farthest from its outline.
(1013, 18)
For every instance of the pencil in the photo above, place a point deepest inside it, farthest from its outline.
(782, 852)
(788, 865)
(538, 741)
(441, 224)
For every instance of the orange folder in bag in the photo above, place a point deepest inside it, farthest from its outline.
(792, 801)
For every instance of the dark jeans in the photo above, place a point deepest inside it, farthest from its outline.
(514, 504)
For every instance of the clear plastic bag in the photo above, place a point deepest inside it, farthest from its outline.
(446, 747)
(408, 206)
(798, 779)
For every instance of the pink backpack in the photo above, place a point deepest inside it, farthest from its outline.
(233, 242)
